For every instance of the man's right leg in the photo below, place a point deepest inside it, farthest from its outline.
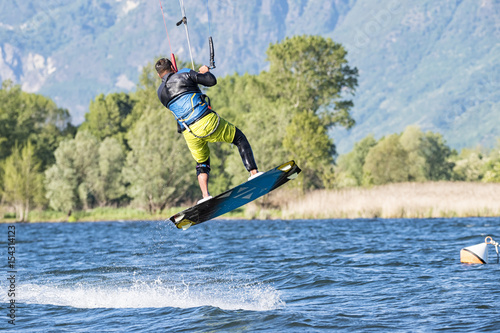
(201, 153)
(203, 172)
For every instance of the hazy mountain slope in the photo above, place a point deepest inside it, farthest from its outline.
(434, 63)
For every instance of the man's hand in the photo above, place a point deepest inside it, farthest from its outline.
(203, 69)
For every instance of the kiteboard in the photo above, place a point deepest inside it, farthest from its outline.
(237, 196)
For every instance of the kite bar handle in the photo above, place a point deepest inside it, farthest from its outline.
(212, 53)
(183, 20)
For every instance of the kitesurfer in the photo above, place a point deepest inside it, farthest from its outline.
(180, 93)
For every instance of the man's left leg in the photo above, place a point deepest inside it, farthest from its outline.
(224, 132)
(245, 151)
(227, 132)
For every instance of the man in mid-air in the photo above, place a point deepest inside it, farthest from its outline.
(199, 124)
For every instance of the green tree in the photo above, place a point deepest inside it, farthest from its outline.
(312, 73)
(492, 174)
(386, 162)
(70, 182)
(86, 163)
(86, 173)
(412, 141)
(470, 165)
(349, 171)
(308, 141)
(158, 167)
(23, 182)
(428, 154)
(30, 117)
(61, 179)
(109, 184)
(437, 156)
(107, 115)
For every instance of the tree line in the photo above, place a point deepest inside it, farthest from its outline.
(414, 156)
(128, 152)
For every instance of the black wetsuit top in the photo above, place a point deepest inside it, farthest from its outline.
(180, 93)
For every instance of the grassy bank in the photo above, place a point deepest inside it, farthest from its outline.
(97, 214)
(106, 214)
(405, 200)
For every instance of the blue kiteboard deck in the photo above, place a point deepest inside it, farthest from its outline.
(236, 197)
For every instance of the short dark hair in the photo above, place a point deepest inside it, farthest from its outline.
(163, 65)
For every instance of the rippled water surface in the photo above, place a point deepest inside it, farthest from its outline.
(253, 276)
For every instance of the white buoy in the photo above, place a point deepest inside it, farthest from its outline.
(478, 254)
(475, 254)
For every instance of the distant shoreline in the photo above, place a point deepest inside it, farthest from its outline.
(402, 200)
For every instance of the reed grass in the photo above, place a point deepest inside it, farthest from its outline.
(403, 200)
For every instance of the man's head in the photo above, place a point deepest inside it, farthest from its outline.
(163, 66)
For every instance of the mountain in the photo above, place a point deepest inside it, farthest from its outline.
(431, 63)
(435, 64)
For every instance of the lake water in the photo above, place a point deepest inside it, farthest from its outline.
(379, 275)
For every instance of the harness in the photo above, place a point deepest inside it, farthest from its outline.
(204, 100)
(209, 106)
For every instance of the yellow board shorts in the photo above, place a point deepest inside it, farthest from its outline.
(199, 146)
